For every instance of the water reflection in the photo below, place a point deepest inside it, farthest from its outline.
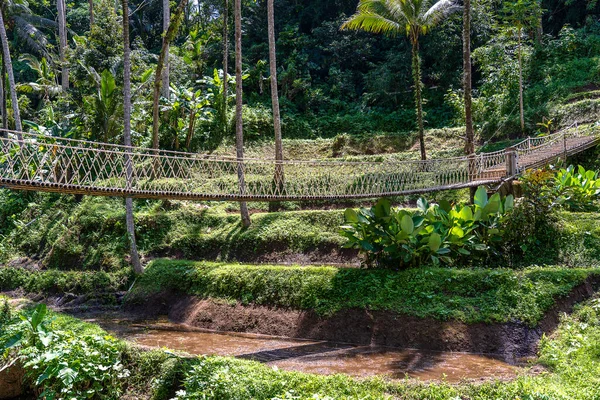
(314, 356)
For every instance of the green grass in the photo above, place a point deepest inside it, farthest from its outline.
(95, 283)
(469, 295)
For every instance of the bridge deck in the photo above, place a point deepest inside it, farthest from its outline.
(42, 163)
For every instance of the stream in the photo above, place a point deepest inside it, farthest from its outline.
(312, 356)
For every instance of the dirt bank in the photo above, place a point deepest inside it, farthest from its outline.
(511, 341)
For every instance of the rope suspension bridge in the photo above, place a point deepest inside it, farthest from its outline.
(30, 161)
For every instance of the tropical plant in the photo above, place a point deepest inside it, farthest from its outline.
(194, 103)
(412, 17)
(46, 82)
(158, 78)
(437, 233)
(105, 105)
(579, 188)
(64, 365)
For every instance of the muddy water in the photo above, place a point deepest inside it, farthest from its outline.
(314, 356)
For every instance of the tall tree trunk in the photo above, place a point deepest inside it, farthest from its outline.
(225, 64)
(239, 126)
(166, 71)
(190, 132)
(62, 34)
(467, 82)
(279, 174)
(3, 99)
(168, 37)
(11, 77)
(135, 258)
(468, 97)
(521, 105)
(416, 67)
(91, 10)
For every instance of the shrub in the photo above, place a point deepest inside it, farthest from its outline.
(577, 189)
(437, 233)
(65, 365)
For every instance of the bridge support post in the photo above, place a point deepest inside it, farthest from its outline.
(511, 162)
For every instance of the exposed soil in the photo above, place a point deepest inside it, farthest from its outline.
(11, 381)
(511, 341)
(276, 253)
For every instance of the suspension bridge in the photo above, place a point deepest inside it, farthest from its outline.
(30, 161)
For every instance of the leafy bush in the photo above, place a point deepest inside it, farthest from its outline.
(578, 188)
(230, 379)
(437, 233)
(65, 365)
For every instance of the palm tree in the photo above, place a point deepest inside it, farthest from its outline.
(27, 27)
(167, 38)
(412, 17)
(62, 34)
(521, 15)
(239, 126)
(279, 177)
(165, 74)
(11, 77)
(135, 258)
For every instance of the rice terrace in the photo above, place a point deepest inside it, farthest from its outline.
(276, 200)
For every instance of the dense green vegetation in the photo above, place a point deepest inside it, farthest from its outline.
(470, 295)
(345, 94)
(62, 233)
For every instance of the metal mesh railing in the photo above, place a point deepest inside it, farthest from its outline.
(37, 162)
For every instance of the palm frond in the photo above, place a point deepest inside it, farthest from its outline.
(38, 21)
(32, 36)
(440, 11)
(373, 23)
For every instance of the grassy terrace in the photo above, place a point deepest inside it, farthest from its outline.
(469, 295)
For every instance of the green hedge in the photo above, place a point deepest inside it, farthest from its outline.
(54, 281)
(470, 295)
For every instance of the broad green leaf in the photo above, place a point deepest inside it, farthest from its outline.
(509, 203)
(350, 215)
(458, 232)
(407, 224)
(481, 197)
(435, 242)
(422, 204)
(445, 205)
(382, 208)
(466, 214)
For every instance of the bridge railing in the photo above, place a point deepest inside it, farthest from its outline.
(39, 162)
(75, 166)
